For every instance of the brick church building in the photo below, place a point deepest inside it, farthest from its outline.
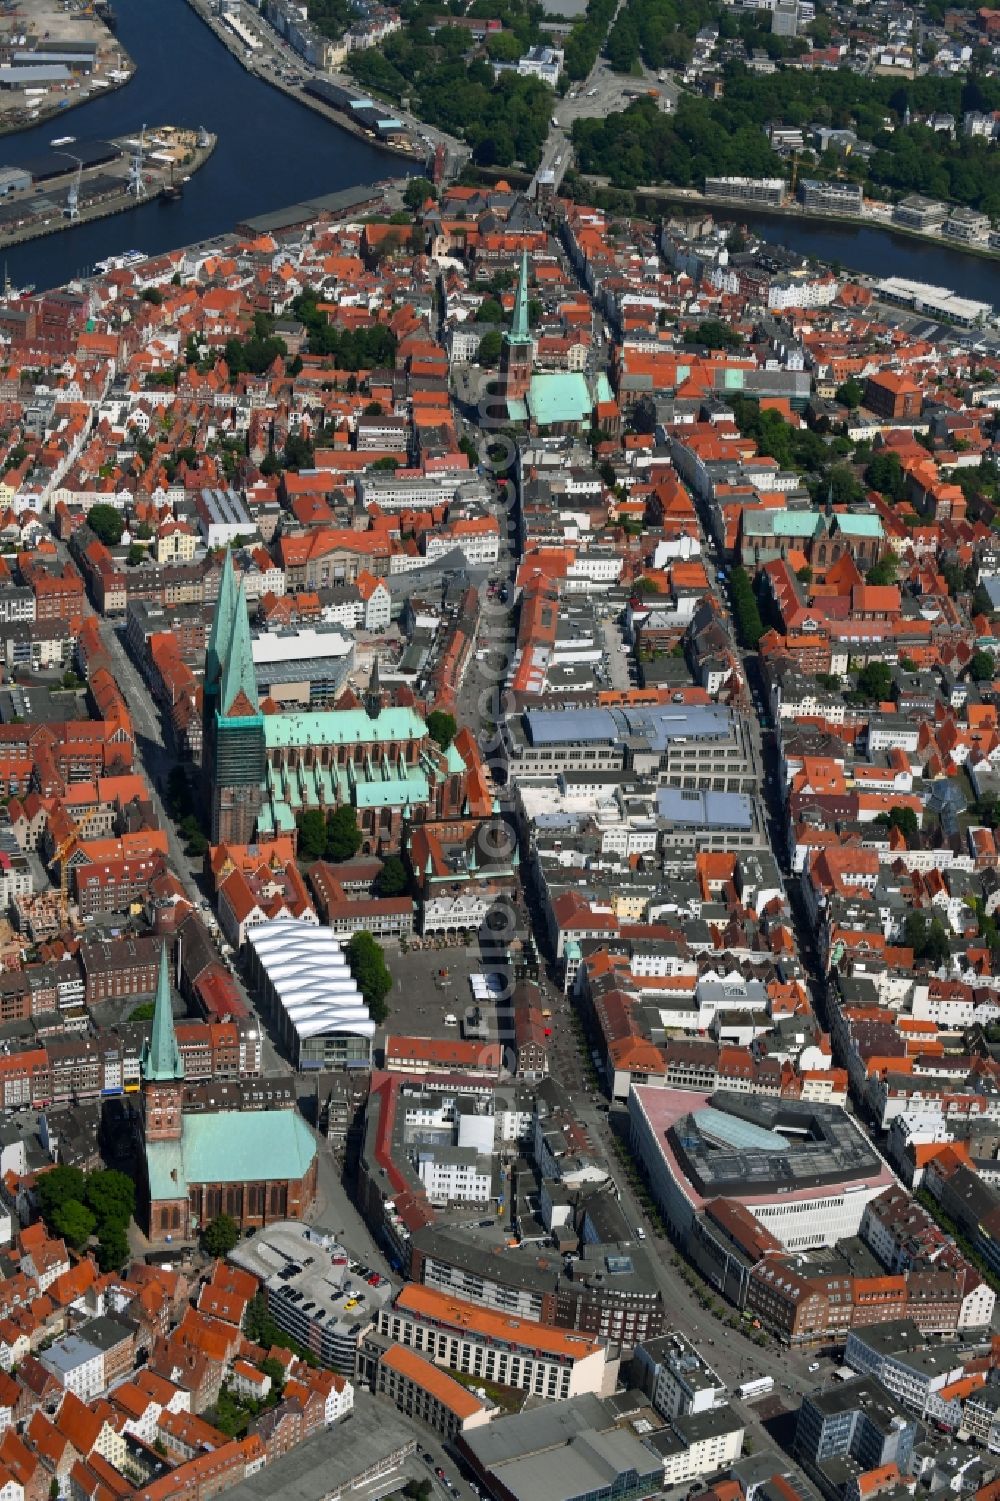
(257, 1166)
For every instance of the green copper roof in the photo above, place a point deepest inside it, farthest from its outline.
(520, 329)
(454, 757)
(161, 1058)
(238, 674)
(393, 792)
(222, 624)
(852, 525)
(342, 727)
(230, 1146)
(764, 522)
(559, 397)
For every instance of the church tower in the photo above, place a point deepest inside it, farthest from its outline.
(518, 354)
(162, 1067)
(233, 752)
(373, 693)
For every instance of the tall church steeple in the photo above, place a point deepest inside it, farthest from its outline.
(518, 355)
(373, 695)
(238, 692)
(520, 329)
(161, 1057)
(222, 627)
(162, 1067)
(234, 756)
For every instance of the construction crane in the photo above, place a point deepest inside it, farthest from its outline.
(795, 174)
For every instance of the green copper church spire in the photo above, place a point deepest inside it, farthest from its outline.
(520, 330)
(238, 675)
(161, 1057)
(222, 624)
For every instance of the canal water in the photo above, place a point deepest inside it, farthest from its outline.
(271, 151)
(879, 252)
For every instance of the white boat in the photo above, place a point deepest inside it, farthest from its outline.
(119, 262)
(63, 141)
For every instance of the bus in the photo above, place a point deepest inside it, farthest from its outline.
(758, 1387)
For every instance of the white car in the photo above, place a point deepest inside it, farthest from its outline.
(814, 1367)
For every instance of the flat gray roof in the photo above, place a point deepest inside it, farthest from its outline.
(714, 810)
(329, 1461)
(549, 1426)
(659, 725)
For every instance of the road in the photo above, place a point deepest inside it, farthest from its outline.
(280, 65)
(158, 760)
(601, 93)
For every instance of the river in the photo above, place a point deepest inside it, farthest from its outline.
(879, 252)
(272, 151)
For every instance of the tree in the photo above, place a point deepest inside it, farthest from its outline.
(220, 1235)
(298, 452)
(107, 524)
(745, 611)
(884, 473)
(392, 878)
(417, 192)
(713, 334)
(804, 574)
(928, 940)
(312, 834)
(343, 837)
(272, 1367)
(373, 409)
(58, 1187)
(441, 727)
(368, 966)
(850, 394)
(74, 1222)
(875, 681)
(111, 1196)
(842, 487)
(489, 311)
(112, 1247)
(901, 818)
(144, 1012)
(981, 667)
(136, 553)
(490, 348)
(884, 571)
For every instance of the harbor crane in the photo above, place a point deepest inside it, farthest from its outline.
(72, 209)
(136, 182)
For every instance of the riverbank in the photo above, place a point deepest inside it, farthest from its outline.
(292, 91)
(108, 199)
(271, 151)
(738, 211)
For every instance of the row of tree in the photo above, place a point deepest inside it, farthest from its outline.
(746, 614)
